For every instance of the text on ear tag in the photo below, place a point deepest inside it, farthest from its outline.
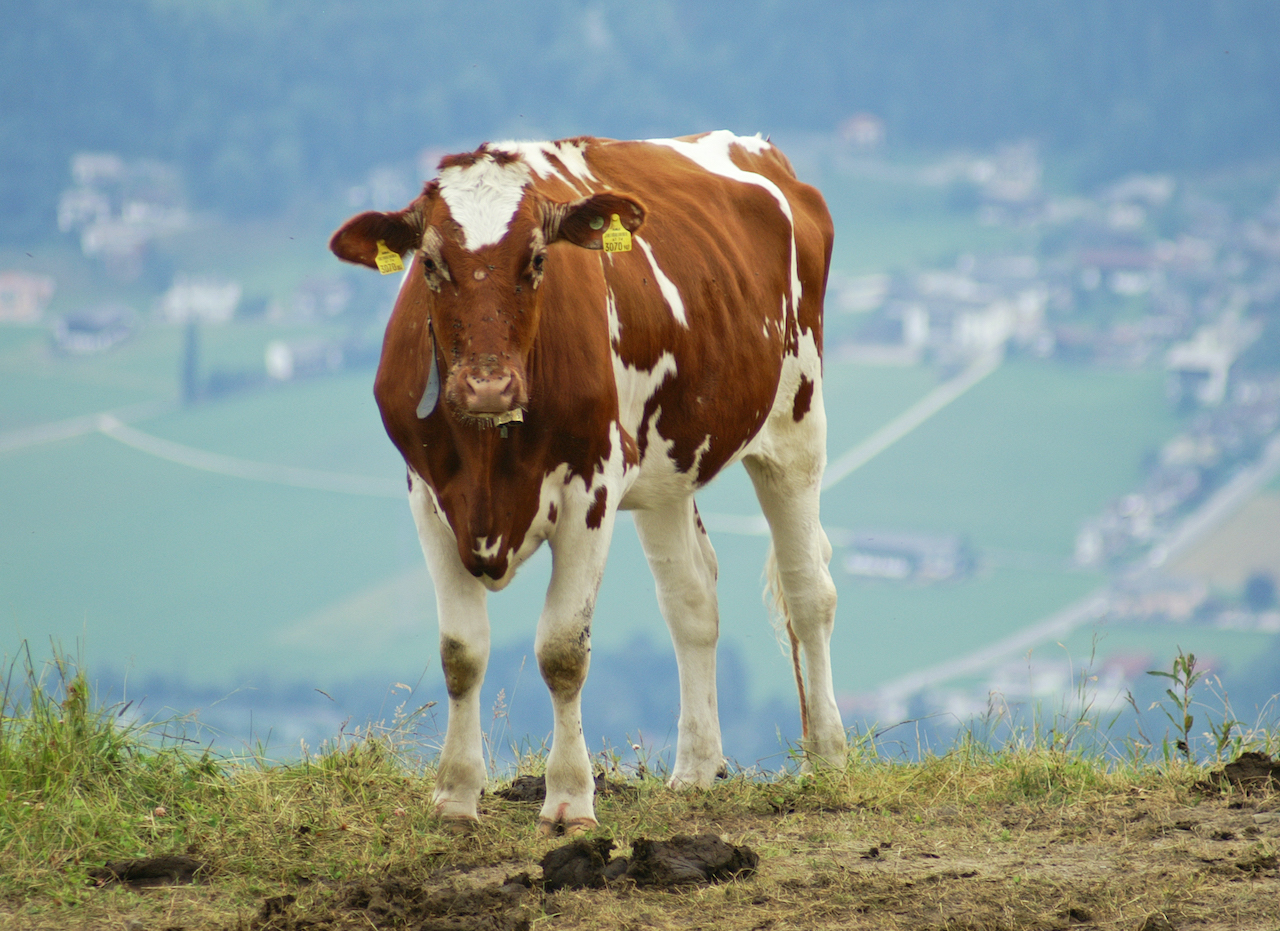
(387, 261)
(616, 238)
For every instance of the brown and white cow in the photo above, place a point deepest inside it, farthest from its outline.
(592, 325)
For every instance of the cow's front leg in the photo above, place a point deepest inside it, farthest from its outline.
(578, 552)
(464, 654)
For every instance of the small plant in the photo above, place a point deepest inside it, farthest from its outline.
(1184, 676)
(1224, 734)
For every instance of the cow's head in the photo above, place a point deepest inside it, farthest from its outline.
(482, 237)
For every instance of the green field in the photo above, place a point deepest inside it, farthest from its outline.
(159, 568)
(1017, 462)
(896, 225)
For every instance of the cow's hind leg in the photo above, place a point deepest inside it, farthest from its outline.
(684, 568)
(787, 475)
(464, 654)
(563, 647)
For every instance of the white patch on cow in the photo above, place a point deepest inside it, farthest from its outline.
(711, 152)
(484, 197)
(419, 486)
(487, 550)
(698, 454)
(574, 158)
(778, 439)
(636, 386)
(658, 481)
(670, 293)
(538, 156)
(615, 324)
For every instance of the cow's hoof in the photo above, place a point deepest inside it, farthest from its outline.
(570, 828)
(455, 824)
(456, 813)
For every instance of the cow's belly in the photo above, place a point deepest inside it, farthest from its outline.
(664, 476)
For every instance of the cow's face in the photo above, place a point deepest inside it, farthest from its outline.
(484, 242)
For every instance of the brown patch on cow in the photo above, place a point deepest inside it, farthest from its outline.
(461, 160)
(500, 157)
(595, 515)
(630, 451)
(804, 397)
(461, 671)
(552, 513)
(564, 667)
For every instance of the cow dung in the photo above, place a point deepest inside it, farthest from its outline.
(682, 860)
(149, 871)
(534, 789)
(1251, 771)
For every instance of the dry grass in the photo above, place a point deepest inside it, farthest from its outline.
(1027, 836)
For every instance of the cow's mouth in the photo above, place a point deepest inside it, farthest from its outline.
(488, 394)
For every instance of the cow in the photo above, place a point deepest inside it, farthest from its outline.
(591, 325)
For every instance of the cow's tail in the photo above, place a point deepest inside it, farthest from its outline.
(776, 600)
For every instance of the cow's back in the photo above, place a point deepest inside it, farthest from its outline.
(722, 289)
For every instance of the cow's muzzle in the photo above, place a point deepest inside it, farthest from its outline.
(487, 391)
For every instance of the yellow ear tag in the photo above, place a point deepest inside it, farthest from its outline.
(387, 261)
(616, 238)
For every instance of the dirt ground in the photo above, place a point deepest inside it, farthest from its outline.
(1137, 865)
(1147, 859)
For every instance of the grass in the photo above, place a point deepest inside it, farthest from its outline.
(1033, 830)
(1016, 463)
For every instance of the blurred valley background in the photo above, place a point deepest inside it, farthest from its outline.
(1052, 378)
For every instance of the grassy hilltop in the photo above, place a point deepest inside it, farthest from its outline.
(1048, 829)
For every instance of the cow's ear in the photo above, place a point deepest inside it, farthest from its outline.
(357, 240)
(583, 222)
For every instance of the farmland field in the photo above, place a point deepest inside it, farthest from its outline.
(193, 581)
(218, 581)
(1248, 541)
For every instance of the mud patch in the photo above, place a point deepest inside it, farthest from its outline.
(683, 860)
(704, 858)
(534, 789)
(582, 864)
(398, 902)
(144, 872)
(1251, 772)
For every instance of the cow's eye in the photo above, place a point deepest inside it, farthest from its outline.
(537, 262)
(428, 265)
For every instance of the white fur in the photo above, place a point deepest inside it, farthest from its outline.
(670, 293)
(684, 568)
(460, 604)
(572, 157)
(483, 198)
(615, 324)
(711, 152)
(487, 550)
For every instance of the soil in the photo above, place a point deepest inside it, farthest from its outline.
(401, 902)
(150, 871)
(1142, 865)
(1198, 858)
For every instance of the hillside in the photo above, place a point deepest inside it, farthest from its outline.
(1037, 833)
